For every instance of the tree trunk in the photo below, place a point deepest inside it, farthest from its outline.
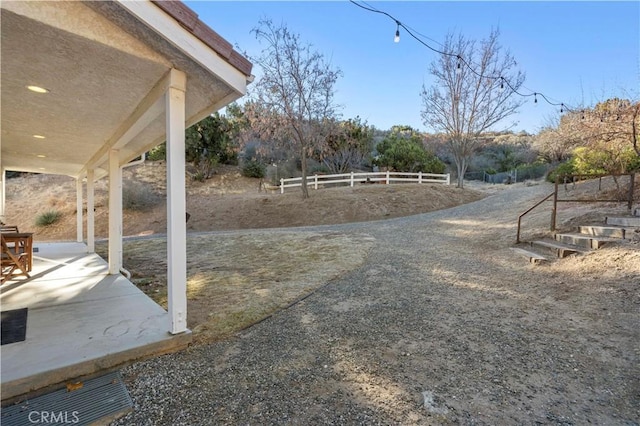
(303, 157)
(461, 167)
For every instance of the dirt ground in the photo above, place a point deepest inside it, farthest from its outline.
(425, 319)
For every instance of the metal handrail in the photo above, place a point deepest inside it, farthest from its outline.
(526, 212)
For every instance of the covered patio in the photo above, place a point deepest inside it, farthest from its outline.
(81, 320)
(87, 88)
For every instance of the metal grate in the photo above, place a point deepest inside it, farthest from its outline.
(98, 398)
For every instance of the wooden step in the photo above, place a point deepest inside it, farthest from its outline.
(603, 231)
(631, 221)
(583, 241)
(557, 248)
(532, 256)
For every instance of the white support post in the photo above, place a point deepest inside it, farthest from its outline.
(315, 182)
(79, 213)
(352, 179)
(176, 204)
(448, 178)
(91, 217)
(282, 185)
(115, 212)
(387, 177)
(419, 177)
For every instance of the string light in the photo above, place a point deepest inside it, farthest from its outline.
(561, 108)
(461, 60)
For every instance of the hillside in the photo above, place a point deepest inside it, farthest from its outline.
(227, 201)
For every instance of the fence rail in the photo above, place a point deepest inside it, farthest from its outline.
(352, 178)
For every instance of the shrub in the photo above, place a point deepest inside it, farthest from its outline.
(407, 156)
(566, 168)
(158, 153)
(137, 197)
(48, 218)
(198, 176)
(254, 169)
(319, 169)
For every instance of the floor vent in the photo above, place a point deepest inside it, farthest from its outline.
(81, 403)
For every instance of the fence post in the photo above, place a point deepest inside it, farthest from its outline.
(315, 181)
(419, 177)
(282, 185)
(387, 177)
(448, 178)
(351, 178)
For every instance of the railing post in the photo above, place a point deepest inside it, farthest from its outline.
(352, 179)
(387, 177)
(282, 185)
(632, 176)
(419, 177)
(315, 181)
(555, 205)
(448, 178)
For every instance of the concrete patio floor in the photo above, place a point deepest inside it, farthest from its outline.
(81, 321)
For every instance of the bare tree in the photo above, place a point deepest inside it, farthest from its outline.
(466, 101)
(614, 121)
(293, 100)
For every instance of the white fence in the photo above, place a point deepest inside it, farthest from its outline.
(376, 177)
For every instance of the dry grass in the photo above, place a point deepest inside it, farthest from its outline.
(237, 280)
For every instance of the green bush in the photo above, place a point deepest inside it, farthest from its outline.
(254, 169)
(589, 161)
(404, 155)
(158, 153)
(566, 168)
(48, 218)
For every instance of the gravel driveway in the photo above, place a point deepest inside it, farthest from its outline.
(441, 325)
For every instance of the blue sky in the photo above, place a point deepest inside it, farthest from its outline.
(574, 52)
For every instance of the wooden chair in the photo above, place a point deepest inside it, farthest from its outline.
(12, 264)
(9, 229)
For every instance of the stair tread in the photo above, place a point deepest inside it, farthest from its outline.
(585, 236)
(558, 244)
(603, 226)
(529, 254)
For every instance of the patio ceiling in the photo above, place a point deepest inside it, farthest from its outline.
(105, 66)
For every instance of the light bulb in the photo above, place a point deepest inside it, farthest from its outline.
(535, 98)
(459, 67)
(501, 84)
(561, 108)
(396, 39)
